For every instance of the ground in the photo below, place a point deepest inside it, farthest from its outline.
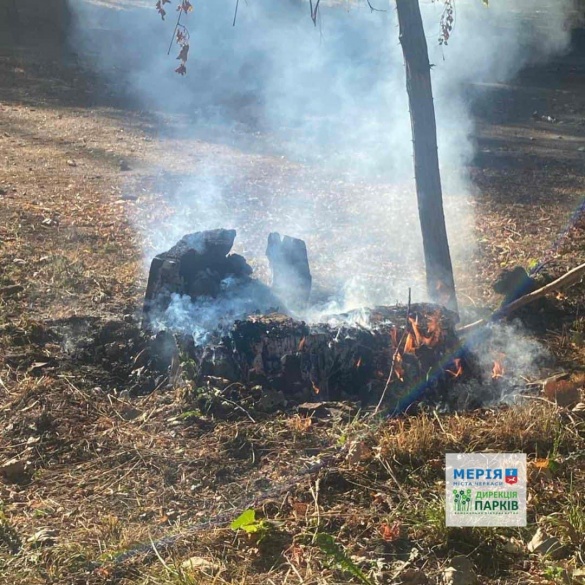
(104, 488)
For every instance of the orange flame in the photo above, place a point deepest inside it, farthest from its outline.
(417, 334)
(458, 368)
(433, 328)
(315, 388)
(398, 369)
(302, 344)
(359, 362)
(498, 370)
(394, 337)
(410, 344)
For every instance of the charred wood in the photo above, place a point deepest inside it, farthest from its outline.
(343, 360)
(196, 266)
(291, 275)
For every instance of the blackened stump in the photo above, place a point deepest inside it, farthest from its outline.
(291, 275)
(196, 266)
(343, 360)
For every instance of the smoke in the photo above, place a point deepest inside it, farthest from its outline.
(212, 315)
(506, 359)
(309, 125)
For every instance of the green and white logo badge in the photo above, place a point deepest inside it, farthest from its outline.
(485, 489)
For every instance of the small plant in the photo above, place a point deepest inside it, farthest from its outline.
(570, 523)
(554, 573)
(248, 523)
(189, 367)
(338, 556)
(190, 414)
(578, 332)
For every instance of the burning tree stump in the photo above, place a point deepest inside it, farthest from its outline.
(345, 360)
(291, 276)
(404, 353)
(199, 287)
(196, 266)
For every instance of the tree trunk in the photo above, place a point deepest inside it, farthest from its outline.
(440, 282)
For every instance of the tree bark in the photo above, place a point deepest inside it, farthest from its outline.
(439, 270)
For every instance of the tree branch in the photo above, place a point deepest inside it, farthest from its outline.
(176, 27)
(568, 279)
(373, 9)
(314, 11)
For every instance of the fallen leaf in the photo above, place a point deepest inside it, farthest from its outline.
(565, 393)
(14, 471)
(358, 452)
(390, 532)
(199, 563)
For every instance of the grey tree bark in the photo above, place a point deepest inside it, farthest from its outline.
(439, 270)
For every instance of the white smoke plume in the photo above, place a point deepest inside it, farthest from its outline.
(319, 117)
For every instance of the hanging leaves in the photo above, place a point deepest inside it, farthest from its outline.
(184, 53)
(447, 21)
(185, 6)
(180, 34)
(160, 9)
(182, 39)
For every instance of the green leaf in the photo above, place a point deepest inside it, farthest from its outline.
(532, 264)
(486, 2)
(245, 520)
(254, 528)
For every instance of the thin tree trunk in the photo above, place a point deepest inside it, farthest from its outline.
(440, 282)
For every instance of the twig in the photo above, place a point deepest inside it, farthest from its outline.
(315, 494)
(372, 9)
(159, 557)
(175, 31)
(296, 571)
(394, 358)
(314, 11)
(472, 326)
(571, 277)
(568, 279)
(236, 12)
(238, 407)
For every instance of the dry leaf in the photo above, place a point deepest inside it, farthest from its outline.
(358, 451)
(565, 393)
(390, 532)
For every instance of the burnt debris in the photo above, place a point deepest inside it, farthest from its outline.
(253, 340)
(342, 360)
(195, 266)
(291, 275)
(513, 284)
(217, 283)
